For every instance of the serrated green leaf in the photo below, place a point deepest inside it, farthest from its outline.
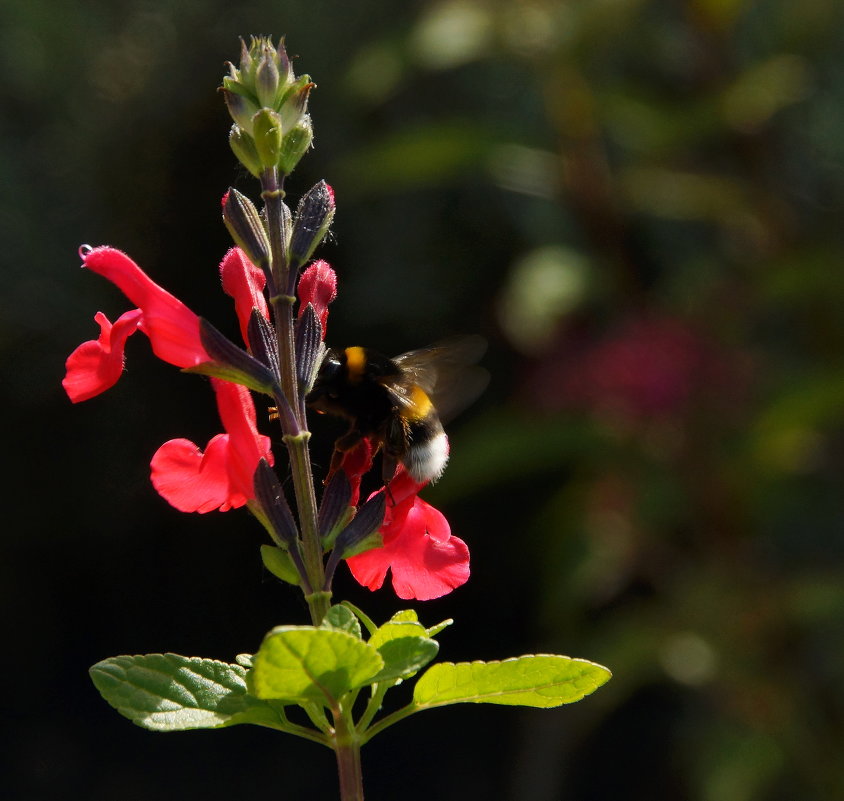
(405, 616)
(404, 647)
(542, 680)
(168, 692)
(305, 664)
(393, 630)
(340, 618)
(410, 616)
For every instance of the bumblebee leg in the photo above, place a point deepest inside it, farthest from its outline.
(389, 464)
(341, 447)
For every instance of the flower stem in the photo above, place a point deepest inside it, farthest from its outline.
(347, 749)
(296, 434)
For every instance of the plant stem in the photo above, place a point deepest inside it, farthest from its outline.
(347, 749)
(296, 434)
(389, 720)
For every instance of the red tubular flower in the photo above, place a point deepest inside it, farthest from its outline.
(221, 477)
(172, 328)
(245, 282)
(96, 365)
(425, 559)
(356, 463)
(317, 286)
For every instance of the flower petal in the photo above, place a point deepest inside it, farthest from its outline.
(194, 481)
(221, 477)
(426, 562)
(244, 282)
(172, 328)
(96, 365)
(247, 447)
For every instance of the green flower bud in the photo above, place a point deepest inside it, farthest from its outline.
(243, 147)
(295, 102)
(267, 79)
(267, 132)
(296, 144)
(241, 108)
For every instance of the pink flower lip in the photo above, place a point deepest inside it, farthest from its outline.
(426, 561)
(221, 477)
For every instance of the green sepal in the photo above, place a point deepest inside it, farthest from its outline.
(246, 227)
(303, 664)
(168, 692)
(542, 680)
(362, 532)
(232, 363)
(279, 563)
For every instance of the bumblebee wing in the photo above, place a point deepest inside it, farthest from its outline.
(446, 371)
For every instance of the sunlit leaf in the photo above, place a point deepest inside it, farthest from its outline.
(535, 680)
(168, 692)
(305, 664)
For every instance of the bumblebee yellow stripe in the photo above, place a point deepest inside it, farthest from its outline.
(421, 405)
(355, 364)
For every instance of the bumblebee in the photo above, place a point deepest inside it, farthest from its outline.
(400, 402)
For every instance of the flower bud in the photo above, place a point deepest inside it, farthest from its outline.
(246, 227)
(241, 109)
(243, 147)
(296, 144)
(265, 76)
(317, 286)
(313, 218)
(267, 79)
(295, 103)
(266, 130)
(245, 59)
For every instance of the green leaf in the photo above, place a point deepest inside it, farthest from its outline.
(299, 664)
(168, 692)
(340, 618)
(434, 630)
(362, 616)
(394, 630)
(410, 616)
(405, 649)
(542, 680)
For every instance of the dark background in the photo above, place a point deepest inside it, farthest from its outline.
(639, 205)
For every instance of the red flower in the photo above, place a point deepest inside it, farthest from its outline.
(245, 283)
(356, 463)
(221, 477)
(318, 286)
(96, 365)
(425, 559)
(172, 328)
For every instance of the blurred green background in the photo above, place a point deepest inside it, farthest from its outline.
(638, 203)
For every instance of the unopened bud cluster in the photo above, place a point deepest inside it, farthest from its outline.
(268, 104)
